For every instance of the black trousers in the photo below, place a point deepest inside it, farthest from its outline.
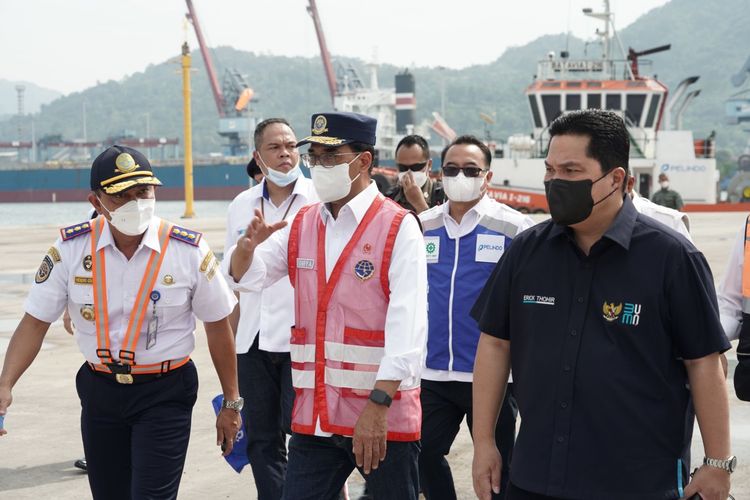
(516, 493)
(265, 380)
(444, 406)
(136, 436)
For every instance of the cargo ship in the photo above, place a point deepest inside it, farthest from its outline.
(659, 144)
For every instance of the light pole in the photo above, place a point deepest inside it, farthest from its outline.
(442, 95)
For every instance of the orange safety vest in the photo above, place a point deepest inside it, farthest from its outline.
(137, 315)
(742, 372)
(338, 341)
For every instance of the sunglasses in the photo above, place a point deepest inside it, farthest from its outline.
(414, 168)
(450, 171)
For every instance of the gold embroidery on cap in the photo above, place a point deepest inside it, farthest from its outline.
(319, 125)
(125, 163)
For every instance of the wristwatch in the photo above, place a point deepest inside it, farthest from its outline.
(235, 405)
(380, 398)
(729, 465)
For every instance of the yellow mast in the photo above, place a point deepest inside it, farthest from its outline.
(188, 154)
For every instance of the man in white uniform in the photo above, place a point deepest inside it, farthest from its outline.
(134, 284)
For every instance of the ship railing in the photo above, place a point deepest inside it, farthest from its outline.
(588, 69)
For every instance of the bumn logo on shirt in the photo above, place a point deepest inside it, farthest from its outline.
(432, 248)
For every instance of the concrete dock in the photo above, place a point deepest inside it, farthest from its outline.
(43, 441)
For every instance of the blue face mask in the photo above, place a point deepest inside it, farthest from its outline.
(279, 178)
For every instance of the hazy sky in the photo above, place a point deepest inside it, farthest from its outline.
(69, 45)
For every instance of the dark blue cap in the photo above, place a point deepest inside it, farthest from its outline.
(119, 168)
(337, 129)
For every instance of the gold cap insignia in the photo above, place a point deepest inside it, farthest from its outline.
(125, 163)
(320, 125)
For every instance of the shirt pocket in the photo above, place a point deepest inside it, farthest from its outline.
(81, 308)
(172, 303)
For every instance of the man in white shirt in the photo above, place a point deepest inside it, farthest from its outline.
(464, 239)
(266, 317)
(357, 264)
(134, 285)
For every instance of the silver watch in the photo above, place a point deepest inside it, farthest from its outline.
(235, 405)
(729, 465)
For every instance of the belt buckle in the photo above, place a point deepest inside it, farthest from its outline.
(124, 378)
(122, 373)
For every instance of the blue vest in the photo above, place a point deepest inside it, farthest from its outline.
(456, 273)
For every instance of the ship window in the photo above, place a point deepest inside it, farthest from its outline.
(572, 102)
(535, 111)
(634, 104)
(594, 85)
(614, 101)
(551, 105)
(652, 109)
(574, 85)
(594, 101)
(551, 85)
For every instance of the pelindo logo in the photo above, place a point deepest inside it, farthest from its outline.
(490, 247)
(666, 167)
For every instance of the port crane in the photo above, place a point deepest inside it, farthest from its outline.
(232, 97)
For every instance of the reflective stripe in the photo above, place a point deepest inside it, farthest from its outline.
(140, 308)
(350, 379)
(354, 353)
(302, 353)
(746, 305)
(303, 379)
(138, 313)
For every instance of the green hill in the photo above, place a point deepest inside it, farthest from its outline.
(708, 39)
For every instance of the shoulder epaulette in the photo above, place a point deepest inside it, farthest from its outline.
(186, 235)
(70, 232)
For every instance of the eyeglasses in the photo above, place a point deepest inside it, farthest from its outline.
(452, 171)
(417, 167)
(326, 160)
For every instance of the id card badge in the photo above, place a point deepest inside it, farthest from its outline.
(153, 323)
(2, 421)
(153, 326)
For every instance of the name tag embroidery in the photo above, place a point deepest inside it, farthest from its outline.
(305, 263)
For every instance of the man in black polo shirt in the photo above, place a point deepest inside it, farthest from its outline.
(605, 317)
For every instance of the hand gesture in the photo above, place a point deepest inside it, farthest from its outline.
(369, 439)
(413, 193)
(6, 398)
(228, 424)
(486, 470)
(711, 483)
(257, 232)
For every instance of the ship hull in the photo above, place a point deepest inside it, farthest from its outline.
(222, 181)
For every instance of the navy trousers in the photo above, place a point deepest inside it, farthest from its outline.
(319, 467)
(444, 405)
(136, 436)
(265, 380)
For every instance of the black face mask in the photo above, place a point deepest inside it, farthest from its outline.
(570, 202)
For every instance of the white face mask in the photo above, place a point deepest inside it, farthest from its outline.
(332, 183)
(664, 184)
(133, 217)
(281, 179)
(419, 178)
(462, 188)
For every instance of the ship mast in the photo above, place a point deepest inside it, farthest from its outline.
(608, 17)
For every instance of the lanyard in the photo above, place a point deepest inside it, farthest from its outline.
(289, 207)
(140, 308)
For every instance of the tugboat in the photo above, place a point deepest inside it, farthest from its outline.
(658, 141)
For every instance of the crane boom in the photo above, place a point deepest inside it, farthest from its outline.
(213, 80)
(324, 54)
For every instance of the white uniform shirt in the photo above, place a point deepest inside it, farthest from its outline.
(191, 292)
(270, 311)
(406, 318)
(730, 290)
(668, 216)
(457, 230)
